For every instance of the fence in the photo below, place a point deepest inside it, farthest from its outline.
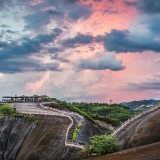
(66, 114)
(129, 121)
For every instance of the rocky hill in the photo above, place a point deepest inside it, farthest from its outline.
(21, 140)
(143, 139)
(13, 133)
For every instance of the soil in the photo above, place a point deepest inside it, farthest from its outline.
(105, 125)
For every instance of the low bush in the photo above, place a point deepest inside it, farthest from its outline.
(18, 115)
(79, 125)
(7, 110)
(85, 152)
(104, 144)
(30, 118)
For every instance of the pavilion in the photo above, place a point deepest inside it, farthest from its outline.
(23, 98)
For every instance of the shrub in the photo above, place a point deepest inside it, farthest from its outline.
(18, 115)
(104, 144)
(7, 110)
(84, 152)
(30, 118)
(79, 125)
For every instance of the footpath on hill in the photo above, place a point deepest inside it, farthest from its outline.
(142, 138)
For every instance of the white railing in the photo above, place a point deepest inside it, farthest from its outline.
(129, 121)
(66, 114)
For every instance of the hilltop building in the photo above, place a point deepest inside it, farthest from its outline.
(23, 98)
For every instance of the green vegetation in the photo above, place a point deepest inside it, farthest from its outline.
(75, 134)
(114, 114)
(79, 125)
(30, 118)
(85, 152)
(71, 107)
(104, 144)
(101, 145)
(76, 131)
(143, 109)
(7, 110)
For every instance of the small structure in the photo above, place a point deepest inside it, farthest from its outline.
(23, 98)
(111, 101)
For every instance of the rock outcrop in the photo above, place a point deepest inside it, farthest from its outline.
(87, 131)
(144, 131)
(47, 141)
(13, 133)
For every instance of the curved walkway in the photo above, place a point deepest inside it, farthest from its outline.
(133, 119)
(68, 115)
(40, 109)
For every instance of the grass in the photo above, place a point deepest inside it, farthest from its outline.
(75, 134)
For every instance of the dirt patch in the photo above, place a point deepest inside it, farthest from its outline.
(105, 125)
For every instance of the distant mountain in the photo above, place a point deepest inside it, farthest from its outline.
(135, 104)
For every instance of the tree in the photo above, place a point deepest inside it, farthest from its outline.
(7, 110)
(104, 144)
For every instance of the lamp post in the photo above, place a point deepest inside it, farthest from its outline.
(111, 101)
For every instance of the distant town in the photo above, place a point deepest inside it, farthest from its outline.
(23, 98)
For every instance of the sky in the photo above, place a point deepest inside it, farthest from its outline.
(80, 50)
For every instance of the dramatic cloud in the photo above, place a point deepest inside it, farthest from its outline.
(54, 50)
(56, 57)
(11, 32)
(101, 62)
(66, 48)
(26, 65)
(121, 41)
(79, 39)
(3, 44)
(40, 19)
(26, 28)
(148, 6)
(4, 3)
(151, 23)
(78, 12)
(4, 26)
(28, 46)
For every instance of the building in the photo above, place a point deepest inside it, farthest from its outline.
(23, 98)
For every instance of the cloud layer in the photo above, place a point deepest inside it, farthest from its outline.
(80, 49)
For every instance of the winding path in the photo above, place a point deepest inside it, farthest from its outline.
(40, 109)
(134, 119)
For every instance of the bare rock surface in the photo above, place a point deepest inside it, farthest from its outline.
(47, 141)
(142, 132)
(13, 133)
(105, 125)
(87, 131)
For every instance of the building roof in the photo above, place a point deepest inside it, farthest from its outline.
(35, 96)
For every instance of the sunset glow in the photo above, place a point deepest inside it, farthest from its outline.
(80, 50)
